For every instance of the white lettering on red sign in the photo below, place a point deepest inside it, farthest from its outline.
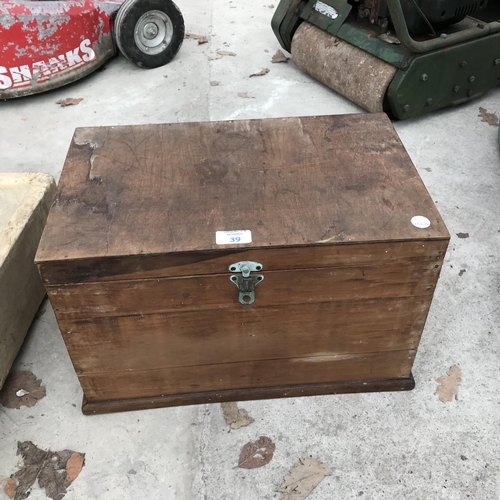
(38, 72)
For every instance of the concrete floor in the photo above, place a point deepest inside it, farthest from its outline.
(379, 446)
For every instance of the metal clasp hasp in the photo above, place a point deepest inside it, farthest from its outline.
(245, 281)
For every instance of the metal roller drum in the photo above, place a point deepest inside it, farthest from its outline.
(350, 71)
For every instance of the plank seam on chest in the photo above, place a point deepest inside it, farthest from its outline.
(341, 357)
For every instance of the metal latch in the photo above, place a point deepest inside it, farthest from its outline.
(246, 282)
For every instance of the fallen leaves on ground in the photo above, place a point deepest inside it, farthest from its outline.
(69, 101)
(21, 388)
(50, 468)
(256, 453)
(448, 384)
(489, 118)
(226, 53)
(74, 466)
(244, 95)
(262, 72)
(9, 486)
(234, 416)
(213, 83)
(279, 57)
(201, 38)
(463, 235)
(303, 478)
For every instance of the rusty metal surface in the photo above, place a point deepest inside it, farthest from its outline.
(46, 44)
(352, 72)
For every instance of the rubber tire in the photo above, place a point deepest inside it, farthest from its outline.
(126, 19)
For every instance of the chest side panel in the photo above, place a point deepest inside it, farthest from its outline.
(308, 318)
(251, 374)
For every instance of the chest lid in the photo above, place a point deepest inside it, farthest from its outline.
(286, 182)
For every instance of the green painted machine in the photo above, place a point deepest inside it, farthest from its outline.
(404, 57)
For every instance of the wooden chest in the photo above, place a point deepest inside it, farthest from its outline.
(203, 262)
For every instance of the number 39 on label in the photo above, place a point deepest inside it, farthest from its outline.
(233, 237)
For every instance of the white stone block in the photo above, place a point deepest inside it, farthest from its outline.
(25, 200)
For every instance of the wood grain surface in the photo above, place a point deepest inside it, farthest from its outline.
(240, 375)
(160, 189)
(218, 261)
(216, 291)
(317, 330)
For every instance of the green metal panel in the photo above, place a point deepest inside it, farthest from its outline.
(277, 20)
(290, 13)
(286, 20)
(426, 82)
(367, 39)
(329, 15)
(446, 77)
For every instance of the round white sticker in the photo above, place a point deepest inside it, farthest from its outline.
(420, 221)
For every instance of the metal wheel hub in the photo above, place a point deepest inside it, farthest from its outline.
(153, 32)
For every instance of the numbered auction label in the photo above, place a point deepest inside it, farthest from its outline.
(233, 237)
(420, 221)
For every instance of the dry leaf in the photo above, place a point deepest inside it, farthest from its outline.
(48, 467)
(193, 36)
(262, 72)
(489, 118)
(226, 53)
(279, 57)
(202, 40)
(26, 385)
(9, 486)
(213, 83)
(69, 101)
(215, 57)
(448, 385)
(303, 478)
(234, 416)
(463, 235)
(271, 6)
(256, 454)
(243, 94)
(74, 466)
(462, 272)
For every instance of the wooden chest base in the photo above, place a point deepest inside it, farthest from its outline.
(294, 391)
